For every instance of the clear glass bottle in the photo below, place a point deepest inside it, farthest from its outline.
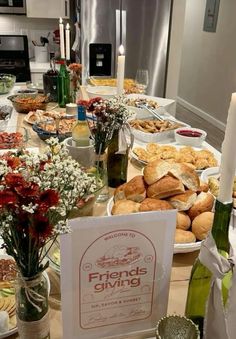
(63, 85)
(200, 279)
(117, 164)
(80, 131)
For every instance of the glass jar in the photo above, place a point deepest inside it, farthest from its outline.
(32, 312)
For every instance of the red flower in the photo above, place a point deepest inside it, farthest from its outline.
(41, 227)
(49, 198)
(14, 179)
(7, 197)
(82, 103)
(27, 190)
(91, 106)
(13, 162)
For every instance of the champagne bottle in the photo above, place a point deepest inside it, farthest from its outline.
(80, 131)
(200, 279)
(63, 85)
(116, 163)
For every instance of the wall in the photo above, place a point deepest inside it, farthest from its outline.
(208, 67)
(175, 52)
(34, 28)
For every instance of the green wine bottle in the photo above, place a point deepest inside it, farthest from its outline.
(63, 85)
(117, 164)
(200, 279)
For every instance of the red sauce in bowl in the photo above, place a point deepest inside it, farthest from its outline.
(189, 133)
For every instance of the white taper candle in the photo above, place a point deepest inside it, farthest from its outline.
(67, 41)
(120, 71)
(62, 41)
(228, 158)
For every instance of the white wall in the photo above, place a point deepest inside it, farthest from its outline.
(208, 66)
(175, 52)
(33, 28)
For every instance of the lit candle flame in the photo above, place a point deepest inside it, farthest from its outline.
(61, 21)
(67, 26)
(121, 50)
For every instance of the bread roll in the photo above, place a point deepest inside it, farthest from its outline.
(203, 203)
(183, 201)
(125, 207)
(135, 189)
(154, 205)
(183, 221)
(204, 187)
(187, 175)
(155, 170)
(202, 224)
(165, 187)
(182, 236)
(119, 193)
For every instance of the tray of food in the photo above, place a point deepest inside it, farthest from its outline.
(165, 186)
(129, 84)
(160, 105)
(7, 296)
(60, 128)
(36, 116)
(153, 130)
(11, 140)
(198, 159)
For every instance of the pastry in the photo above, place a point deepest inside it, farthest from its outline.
(135, 189)
(183, 221)
(155, 170)
(125, 207)
(165, 187)
(154, 205)
(203, 203)
(183, 201)
(202, 224)
(182, 236)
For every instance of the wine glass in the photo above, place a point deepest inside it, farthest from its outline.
(141, 80)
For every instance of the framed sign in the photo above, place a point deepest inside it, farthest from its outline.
(115, 274)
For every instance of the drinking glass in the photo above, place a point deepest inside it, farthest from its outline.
(141, 79)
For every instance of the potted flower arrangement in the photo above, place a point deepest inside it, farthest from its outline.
(107, 116)
(37, 193)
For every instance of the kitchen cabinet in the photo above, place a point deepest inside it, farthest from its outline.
(48, 8)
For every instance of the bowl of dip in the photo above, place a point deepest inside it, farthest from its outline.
(190, 136)
(105, 92)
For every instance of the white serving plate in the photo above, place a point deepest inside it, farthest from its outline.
(209, 172)
(164, 104)
(165, 136)
(178, 248)
(143, 163)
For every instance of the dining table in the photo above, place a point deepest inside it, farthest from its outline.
(181, 265)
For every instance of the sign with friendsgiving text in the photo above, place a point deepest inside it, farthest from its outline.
(115, 274)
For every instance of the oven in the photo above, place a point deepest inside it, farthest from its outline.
(14, 56)
(12, 6)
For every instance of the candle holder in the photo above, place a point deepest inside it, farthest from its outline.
(176, 327)
(63, 85)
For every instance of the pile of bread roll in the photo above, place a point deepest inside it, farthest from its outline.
(164, 186)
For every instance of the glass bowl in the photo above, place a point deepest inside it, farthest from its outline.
(7, 81)
(23, 103)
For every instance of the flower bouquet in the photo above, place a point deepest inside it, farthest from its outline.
(37, 193)
(106, 117)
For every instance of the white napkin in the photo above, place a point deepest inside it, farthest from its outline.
(220, 321)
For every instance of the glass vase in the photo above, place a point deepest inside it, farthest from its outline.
(117, 164)
(101, 169)
(32, 311)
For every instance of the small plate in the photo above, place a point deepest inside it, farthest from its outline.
(209, 172)
(178, 248)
